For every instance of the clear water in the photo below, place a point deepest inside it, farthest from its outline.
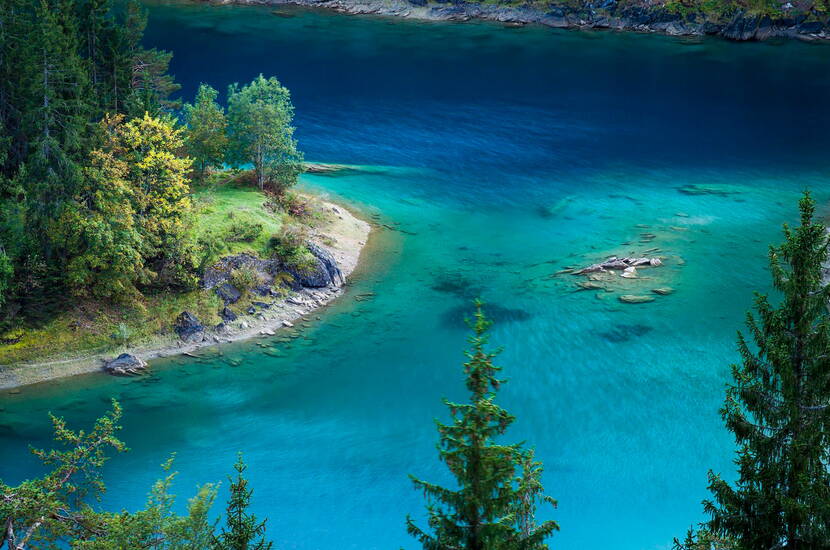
(503, 154)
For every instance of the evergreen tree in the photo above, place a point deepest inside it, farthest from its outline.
(206, 136)
(498, 485)
(260, 115)
(57, 116)
(242, 531)
(778, 407)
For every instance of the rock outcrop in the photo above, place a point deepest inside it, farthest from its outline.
(124, 365)
(626, 265)
(189, 328)
(323, 273)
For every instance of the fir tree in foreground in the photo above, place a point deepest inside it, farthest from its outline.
(242, 530)
(778, 407)
(499, 485)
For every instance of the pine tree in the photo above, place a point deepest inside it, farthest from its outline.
(778, 407)
(498, 485)
(242, 531)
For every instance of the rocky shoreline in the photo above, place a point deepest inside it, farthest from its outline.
(644, 16)
(264, 317)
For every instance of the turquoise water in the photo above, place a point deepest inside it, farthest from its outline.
(502, 155)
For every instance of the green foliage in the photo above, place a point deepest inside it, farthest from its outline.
(245, 278)
(122, 334)
(242, 531)
(43, 512)
(260, 115)
(498, 486)
(703, 539)
(99, 231)
(777, 406)
(206, 135)
(55, 511)
(289, 246)
(243, 228)
(64, 64)
(6, 273)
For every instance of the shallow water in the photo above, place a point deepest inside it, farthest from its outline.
(502, 155)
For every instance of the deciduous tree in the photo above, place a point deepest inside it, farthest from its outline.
(206, 136)
(260, 116)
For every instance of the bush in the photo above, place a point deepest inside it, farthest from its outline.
(245, 278)
(122, 334)
(242, 229)
(290, 247)
(295, 205)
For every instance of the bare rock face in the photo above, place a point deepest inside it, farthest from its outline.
(328, 262)
(189, 328)
(125, 365)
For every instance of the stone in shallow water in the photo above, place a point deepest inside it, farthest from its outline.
(663, 291)
(635, 299)
(495, 312)
(589, 285)
(624, 333)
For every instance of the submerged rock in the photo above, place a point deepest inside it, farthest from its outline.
(663, 291)
(635, 299)
(189, 328)
(125, 364)
(589, 285)
(624, 333)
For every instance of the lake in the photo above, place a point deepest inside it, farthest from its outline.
(497, 157)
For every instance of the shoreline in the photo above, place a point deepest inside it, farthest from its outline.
(643, 18)
(352, 234)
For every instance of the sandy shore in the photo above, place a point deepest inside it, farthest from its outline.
(350, 234)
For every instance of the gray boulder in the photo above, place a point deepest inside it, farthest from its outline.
(227, 314)
(328, 262)
(229, 293)
(125, 364)
(189, 328)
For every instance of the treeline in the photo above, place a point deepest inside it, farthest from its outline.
(95, 167)
(777, 406)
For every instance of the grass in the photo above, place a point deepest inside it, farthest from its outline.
(88, 327)
(223, 203)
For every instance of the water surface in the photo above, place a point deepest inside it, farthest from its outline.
(502, 155)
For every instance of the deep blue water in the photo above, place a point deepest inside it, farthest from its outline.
(505, 154)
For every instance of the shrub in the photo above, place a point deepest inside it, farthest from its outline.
(294, 204)
(290, 247)
(122, 334)
(242, 229)
(245, 278)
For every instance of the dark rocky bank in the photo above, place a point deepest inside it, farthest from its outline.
(647, 17)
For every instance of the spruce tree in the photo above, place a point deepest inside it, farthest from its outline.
(498, 485)
(242, 531)
(778, 407)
